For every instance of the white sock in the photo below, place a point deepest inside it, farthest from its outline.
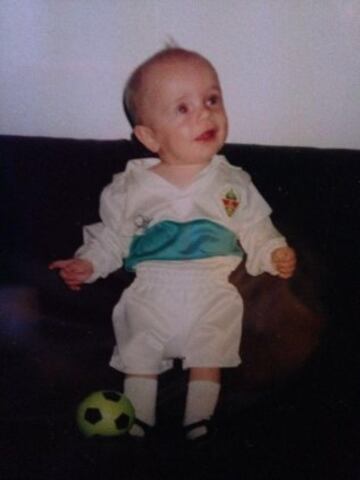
(142, 394)
(201, 401)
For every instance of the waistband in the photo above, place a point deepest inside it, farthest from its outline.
(208, 269)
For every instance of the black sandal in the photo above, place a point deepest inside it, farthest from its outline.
(146, 427)
(203, 439)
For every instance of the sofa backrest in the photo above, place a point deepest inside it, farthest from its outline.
(50, 189)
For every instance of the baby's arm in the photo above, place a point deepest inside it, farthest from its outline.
(74, 271)
(284, 261)
(103, 248)
(266, 248)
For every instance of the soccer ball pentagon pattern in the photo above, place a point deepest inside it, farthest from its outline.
(105, 413)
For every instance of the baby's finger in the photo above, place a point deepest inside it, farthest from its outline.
(286, 265)
(71, 276)
(58, 264)
(73, 283)
(286, 272)
(285, 276)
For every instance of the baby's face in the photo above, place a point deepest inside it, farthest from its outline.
(183, 111)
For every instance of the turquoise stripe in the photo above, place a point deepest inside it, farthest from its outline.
(192, 240)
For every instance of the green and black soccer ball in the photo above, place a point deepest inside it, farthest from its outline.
(106, 413)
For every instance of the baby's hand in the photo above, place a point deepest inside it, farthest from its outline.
(74, 271)
(284, 260)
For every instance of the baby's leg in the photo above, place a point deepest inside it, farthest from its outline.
(142, 392)
(202, 398)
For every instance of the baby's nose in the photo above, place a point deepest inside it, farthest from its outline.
(204, 111)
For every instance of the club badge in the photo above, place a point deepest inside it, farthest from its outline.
(231, 202)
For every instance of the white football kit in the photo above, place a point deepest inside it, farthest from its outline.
(183, 243)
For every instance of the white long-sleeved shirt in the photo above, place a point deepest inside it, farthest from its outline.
(139, 199)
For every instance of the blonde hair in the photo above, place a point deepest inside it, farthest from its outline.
(135, 84)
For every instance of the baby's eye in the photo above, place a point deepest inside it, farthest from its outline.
(213, 100)
(182, 108)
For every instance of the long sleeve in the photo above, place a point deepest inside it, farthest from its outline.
(105, 242)
(257, 234)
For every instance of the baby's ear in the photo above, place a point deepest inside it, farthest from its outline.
(147, 137)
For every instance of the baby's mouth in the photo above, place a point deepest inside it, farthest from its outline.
(206, 136)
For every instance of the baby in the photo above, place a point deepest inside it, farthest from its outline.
(183, 221)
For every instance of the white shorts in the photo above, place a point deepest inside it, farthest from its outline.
(185, 310)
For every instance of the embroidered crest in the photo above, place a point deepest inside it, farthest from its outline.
(231, 202)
